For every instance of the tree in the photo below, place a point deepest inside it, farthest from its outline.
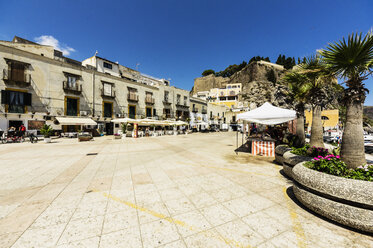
(208, 72)
(320, 93)
(259, 58)
(352, 60)
(230, 70)
(288, 63)
(279, 60)
(297, 94)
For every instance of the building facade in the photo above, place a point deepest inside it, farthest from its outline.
(228, 96)
(38, 85)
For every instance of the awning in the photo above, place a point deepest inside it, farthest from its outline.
(125, 120)
(71, 121)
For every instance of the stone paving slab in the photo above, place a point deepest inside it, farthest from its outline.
(170, 191)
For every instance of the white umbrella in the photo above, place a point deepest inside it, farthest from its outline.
(125, 120)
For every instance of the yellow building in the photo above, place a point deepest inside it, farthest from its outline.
(331, 121)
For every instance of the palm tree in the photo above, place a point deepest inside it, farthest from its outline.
(352, 60)
(297, 91)
(314, 69)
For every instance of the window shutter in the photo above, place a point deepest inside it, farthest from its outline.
(27, 99)
(4, 97)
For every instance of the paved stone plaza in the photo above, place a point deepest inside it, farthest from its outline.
(170, 191)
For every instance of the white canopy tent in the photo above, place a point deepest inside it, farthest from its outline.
(268, 114)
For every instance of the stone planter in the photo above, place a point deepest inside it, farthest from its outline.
(290, 160)
(346, 201)
(117, 136)
(47, 140)
(279, 153)
(124, 136)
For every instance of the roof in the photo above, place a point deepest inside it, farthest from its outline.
(106, 60)
(17, 39)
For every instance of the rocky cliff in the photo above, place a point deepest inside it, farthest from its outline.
(209, 82)
(259, 83)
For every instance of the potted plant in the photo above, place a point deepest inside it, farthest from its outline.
(124, 130)
(117, 136)
(46, 131)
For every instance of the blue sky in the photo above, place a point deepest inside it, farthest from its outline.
(180, 39)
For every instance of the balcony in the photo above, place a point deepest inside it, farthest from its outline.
(149, 100)
(74, 89)
(180, 105)
(108, 94)
(166, 101)
(133, 97)
(21, 79)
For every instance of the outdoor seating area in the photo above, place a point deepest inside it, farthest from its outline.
(149, 127)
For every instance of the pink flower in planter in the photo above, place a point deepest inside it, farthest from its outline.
(329, 158)
(316, 159)
(338, 156)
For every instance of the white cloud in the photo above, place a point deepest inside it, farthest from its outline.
(49, 40)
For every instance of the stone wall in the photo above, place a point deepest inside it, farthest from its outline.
(209, 82)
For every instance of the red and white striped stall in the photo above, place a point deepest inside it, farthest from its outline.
(264, 148)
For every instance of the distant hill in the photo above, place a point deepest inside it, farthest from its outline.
(368, 111)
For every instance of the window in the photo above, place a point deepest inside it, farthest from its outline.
(167, 113)
(17, 72)
(210, 114)
(154, 112)
(71, 80)
(107, 89)
(132, 112)
(72, 106)
(178, 97)
(166, 93)
(148, 112)
(108, 109)
(15, 101)
(107, 65)
(185, 100)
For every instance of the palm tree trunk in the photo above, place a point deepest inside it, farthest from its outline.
(316, 128)
(352, 151)
(301, 139)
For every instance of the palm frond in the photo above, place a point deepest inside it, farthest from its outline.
(350, 58)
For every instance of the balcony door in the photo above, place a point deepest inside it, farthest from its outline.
(108, 109)
(72, 106)
(132, 112)
(18, 72)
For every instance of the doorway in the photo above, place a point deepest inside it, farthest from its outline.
(109, 127)
(15, 124)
